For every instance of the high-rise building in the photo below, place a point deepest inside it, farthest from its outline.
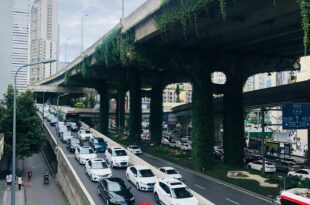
(14, 40)
(44, 38)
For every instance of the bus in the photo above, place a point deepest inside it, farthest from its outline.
(68, 114)
(296, 196)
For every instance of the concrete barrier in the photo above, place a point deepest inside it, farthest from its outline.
(68, 179)
(135, 160)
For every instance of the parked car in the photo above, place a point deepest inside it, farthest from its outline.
(84, 135)
(117, 157)
(142, 177)
(97, 169)
(171, 172)
(98, 144)
(165, 141)
(72, 144)
(84, 153)
(258, 165)
(302, 173)
(74, 127)
(134, 149)
(173, 192)
(114, 191)
(285, 166)
(185, 147)
(65, 136)
(251, 158)
(172, 143)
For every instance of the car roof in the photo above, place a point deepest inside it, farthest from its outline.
(86, 147)
(166, 168)
(98, 160)
(114, 179)
(141, 167)
(173, 183)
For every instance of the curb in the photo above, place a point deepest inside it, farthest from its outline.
(232, 186)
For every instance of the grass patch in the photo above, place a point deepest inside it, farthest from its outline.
(219, 170)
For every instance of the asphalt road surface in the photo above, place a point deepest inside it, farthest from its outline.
(216, 192)
(140, 197)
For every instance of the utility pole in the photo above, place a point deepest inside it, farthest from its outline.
(263, 139)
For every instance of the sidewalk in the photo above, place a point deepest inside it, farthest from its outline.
(33, 192)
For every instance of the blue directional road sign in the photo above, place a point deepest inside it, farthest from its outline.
(296, 116)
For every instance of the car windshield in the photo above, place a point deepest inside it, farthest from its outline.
(86, 151)
(120, 153)
(115, 186)
(171, 171)
(75, 141)
(98, 140)
(66, 133)
(134, 147)
(181, 193)
(100, 165)
(146, 173)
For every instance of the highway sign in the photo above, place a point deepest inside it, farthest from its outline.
(296, 116)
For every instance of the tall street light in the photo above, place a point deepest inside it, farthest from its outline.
(82, 32)
(66, 51)
(14, 126)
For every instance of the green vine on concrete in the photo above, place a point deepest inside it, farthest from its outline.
(223, 8)
(86, 71)
(67, 78)
(305, 22)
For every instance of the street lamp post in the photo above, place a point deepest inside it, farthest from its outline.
(43, 108)
(66, 51)
(14, 127)
(82, 33)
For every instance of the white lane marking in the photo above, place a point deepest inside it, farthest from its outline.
(228, 199)
(199, 186)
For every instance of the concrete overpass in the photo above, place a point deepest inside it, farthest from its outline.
(59, 89)
(165, 42)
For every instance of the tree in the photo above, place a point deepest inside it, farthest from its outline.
(29, 136)
(79, 104)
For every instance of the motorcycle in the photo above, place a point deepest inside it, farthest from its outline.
(46, 177)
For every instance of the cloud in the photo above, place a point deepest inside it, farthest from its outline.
(103, 15)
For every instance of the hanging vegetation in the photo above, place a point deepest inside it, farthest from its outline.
(86, 72)
(305, 21)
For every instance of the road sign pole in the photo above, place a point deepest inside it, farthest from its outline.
(263, 139)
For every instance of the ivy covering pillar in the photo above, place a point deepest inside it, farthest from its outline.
(203, 126)
(233, 120)
(135, 108)
(103, 91)
(120, 110)
(156, 113)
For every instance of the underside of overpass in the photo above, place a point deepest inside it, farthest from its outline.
(174, 41)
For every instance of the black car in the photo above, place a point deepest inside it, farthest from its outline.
(251, 158)
(74, 127)
(72, 144)
(114, 191)
(286, 166)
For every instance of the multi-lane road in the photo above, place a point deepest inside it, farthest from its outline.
(215, 191)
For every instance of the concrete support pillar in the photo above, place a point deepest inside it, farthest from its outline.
(233, 119)
(135, 118)
(103, 90)
(156, 112)
(120, 110)
(202, 122)
(218, 119)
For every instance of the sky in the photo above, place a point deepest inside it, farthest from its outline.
(103, 15)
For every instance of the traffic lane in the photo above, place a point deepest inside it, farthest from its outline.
(140, 197)
(215, 192)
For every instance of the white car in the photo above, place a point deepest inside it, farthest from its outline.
(117, 157)
(258, 165)
(84, 135)
(303, 173)
(142, 177)
(65, 136)
(97, 169)
(82, 154)
(185, 147)
(165, 141)
(172, 143)
(173, 192)
(134, 149)
(171, 172)
(61, 129)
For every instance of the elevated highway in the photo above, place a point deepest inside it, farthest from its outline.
(171, 41)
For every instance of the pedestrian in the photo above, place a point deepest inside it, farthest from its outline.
(29, 175)
(19, 182)
(9, 180)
